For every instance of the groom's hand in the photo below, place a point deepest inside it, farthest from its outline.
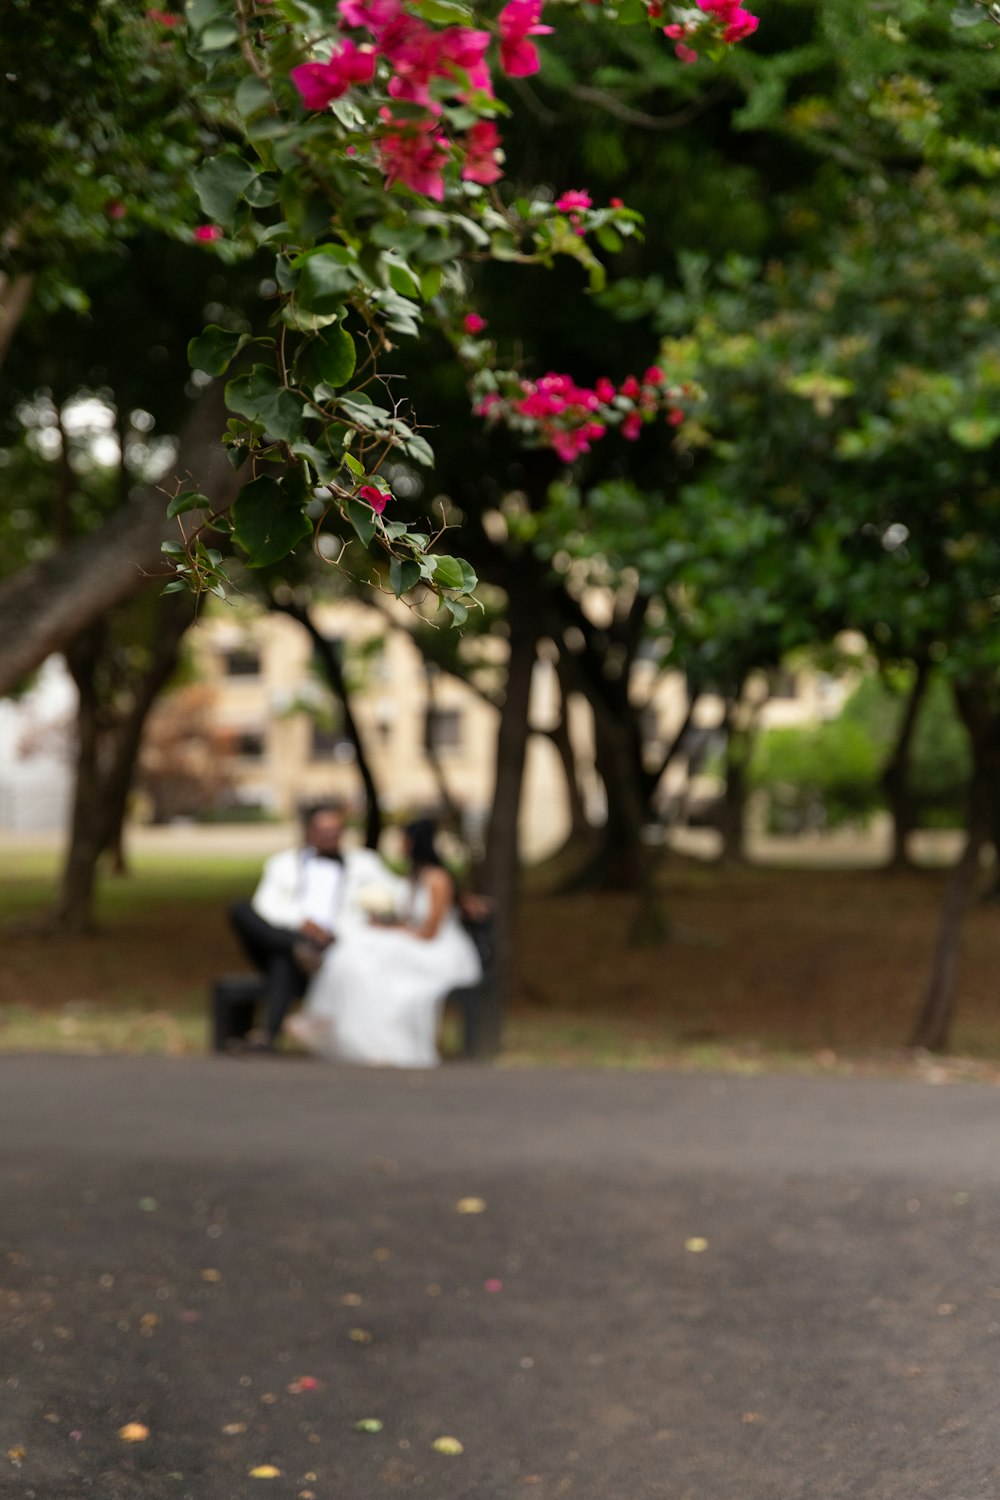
(316, 934)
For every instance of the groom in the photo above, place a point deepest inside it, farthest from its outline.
(293, 916)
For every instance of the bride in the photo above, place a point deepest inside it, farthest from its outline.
(378, 995)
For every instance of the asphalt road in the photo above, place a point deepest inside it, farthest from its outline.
(688, 1287)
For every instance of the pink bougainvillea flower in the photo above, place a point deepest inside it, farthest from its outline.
(519, 20)
(686, 54)
(482, 144)
(741, 25)
(473, 323)
(617, 203)
(320, 83)
(604, 389)
(208, 232)
(114, 208)
(632, 426)
(464, 50)
(675, 31)
(163, 18)
(653, 376)
(494, 1284)
(630, 388)
(413, 50)
(675, 417)
(737, 22)
(574, 202)
(378, 500)
(373, 15)
(416, 158)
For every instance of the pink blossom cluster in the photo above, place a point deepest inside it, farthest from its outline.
(425, 63)
(722, 20)
(568, 417)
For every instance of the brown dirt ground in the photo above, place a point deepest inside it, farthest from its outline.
(788, 961)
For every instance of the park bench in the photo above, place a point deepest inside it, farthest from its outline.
(236, 999)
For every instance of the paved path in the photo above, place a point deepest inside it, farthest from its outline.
(181, 1241)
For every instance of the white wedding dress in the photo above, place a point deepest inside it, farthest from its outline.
(377, 998)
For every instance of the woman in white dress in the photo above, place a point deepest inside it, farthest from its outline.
(377, 998)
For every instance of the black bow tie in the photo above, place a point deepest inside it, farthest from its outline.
(337, 859)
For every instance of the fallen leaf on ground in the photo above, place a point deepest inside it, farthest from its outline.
(211, 1275)
(360, 1336)
(265, 1471)
(471, 1205)
(381, 1253)
(148, 1205)
(133, 1432)
(307, 1383)
(696, 1245)
(17, 1455)
(368, 1424)
(449, 1445)
(752, 1417)
(233, 1429)
(351, 1299)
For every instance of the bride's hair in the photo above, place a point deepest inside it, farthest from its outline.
(423, 849)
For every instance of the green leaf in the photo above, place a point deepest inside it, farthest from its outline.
(253, 94)
(334, 355)
(362, 518)
(219, 182)
(187, 500)
(402, 279)
(403, 574)
(260, 397)
(448, 573)
(175, 586)
(214, 349)
(324, 282)
(218, 34)
(430, 283)
(441, 12)
(268, 522)
(457, 610)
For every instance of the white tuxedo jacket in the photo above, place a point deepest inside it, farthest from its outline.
(279, 897)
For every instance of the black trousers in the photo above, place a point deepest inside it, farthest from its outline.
(269, 949)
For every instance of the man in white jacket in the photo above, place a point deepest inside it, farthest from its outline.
(305, 896)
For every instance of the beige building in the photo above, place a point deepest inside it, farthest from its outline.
(283, 735)
(278, 727)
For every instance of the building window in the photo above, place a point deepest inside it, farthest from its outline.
(330, 744)
(443, 729)
(244, 661)
(784, 684)
(249, 745)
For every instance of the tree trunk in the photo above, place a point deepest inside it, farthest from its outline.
(448, 804)
(933, 1026)
(108, 745)
(501, 861)
(896, 776)
(982, 720)
(15, 295)
(579, 826)
(734, 797)
(329, 659)
(626, 862)
(44, 606)
(74, 911)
